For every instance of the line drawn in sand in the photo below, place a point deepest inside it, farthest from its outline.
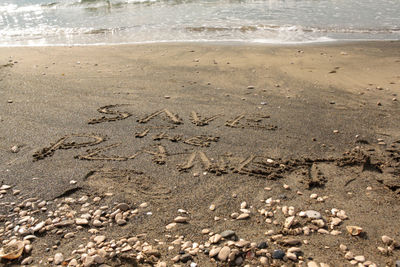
(172, 117)
(252, 122)
(120, 115)
(63, 144)
(134, 182)
(197, 120)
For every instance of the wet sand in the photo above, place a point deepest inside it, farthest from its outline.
(185, 126)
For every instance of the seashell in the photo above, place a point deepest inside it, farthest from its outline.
(354, 230)
(13, 250)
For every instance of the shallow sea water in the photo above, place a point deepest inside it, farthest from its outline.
(86, 22)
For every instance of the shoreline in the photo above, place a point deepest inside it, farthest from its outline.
(145, 154)
(216, 43)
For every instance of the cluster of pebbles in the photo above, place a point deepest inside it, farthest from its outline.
(31, 219)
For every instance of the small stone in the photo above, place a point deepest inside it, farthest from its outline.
(349, 255)
(250, 87)
(58, 258)
(185, 257)
(121, 222)
(5, 187)
(243, 216)
(313, 196)
(122, 207)
(170, 226)
(181, 219)
(354, 230)
(69, 235)
(81, 221)
(73, 262)
(312, 214)
(98, 259)
(212, 207)
(398, 263)
(291, 256)
(343, 247)
(227, 233)
(312, 264)
(100, 238)
(224, 253)
(262, 245)
(278, 254)
(359, 258)
(88, 261)
(288, 222)
(387, 240)
(15, 149)
(215, 238)
(73, 182)
(27, 261)
(97, 223)
(143, 205)
(214, 252)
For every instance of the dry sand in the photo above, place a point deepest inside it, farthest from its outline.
(227, 122)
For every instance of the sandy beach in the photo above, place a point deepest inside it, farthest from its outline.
(207, 154)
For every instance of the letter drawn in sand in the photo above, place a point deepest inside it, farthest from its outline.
(63, 144)
(199, 121)
(201, 140)
(160, 156)
(95, 154)
(172, 117)
(120, 115)
(217, 168)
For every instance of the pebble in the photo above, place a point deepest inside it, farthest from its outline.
(181, 219)
(387, 240)
(15, 149)
(312, 214)
(278, 254)
(27, 261)
(262, 245)
(81, 221)
(312, 264)
(227, 233)
(291, 256)
(214, 251)
(398, 263)
(58, 258)
(100, 238)
(185, 257)
(224, 253)
(243, 216)
(359, 258)
(121, 222)
(212, 207)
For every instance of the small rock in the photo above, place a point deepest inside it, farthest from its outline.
(312, 214)
(143, 205)
(81, 221)
(58, 258)
(250, 87)
(15, 149)
(214, 251)
(212, 207)
(27, 261)
(312, 264)
(122, 207)
(398, 263)
(262, 245)
(360, 258)
(185, 257)
(278, 254)
(121, 222)
(181, 219)
(227, 233)
(100, 238)
(387, 240)
(354, 230)
(243, 216)
(291, 256)
(224, 253)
